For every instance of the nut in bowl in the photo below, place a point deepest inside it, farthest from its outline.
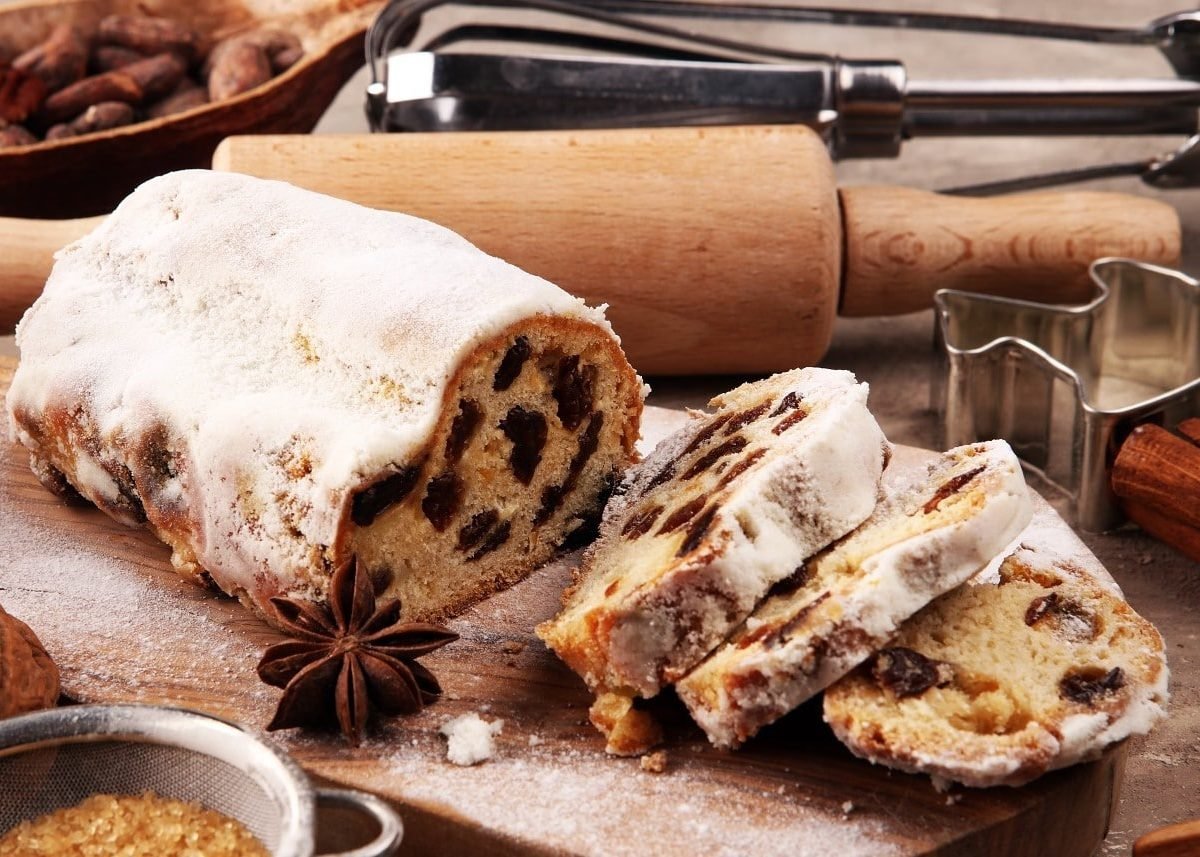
(129, 109)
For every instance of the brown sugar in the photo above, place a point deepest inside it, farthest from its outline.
(131, 826)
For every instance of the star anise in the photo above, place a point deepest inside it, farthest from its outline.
(349, 656)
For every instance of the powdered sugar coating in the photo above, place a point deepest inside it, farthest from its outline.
(289, 344)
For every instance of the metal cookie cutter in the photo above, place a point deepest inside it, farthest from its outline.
(1066, 384)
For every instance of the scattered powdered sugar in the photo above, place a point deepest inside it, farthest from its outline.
(469, 738)
(586, 803)
(119, 630)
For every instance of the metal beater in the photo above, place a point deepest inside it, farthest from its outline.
(538, 64)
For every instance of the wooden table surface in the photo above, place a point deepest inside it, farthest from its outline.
(1162, 782)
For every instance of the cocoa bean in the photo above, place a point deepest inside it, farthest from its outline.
(59, 61)
(282, 48)
(21, 94)
(187, 95)
(79, 96)
(101, 117)
(111, 57)
(61, 131)
(157, 75)
(238, 66)
(16, 135)
(149, 35)
(283, 60)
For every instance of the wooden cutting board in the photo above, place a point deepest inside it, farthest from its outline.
(123, 627)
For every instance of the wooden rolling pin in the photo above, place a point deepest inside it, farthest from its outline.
(725, 249)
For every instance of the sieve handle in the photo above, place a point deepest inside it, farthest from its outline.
(391, 829)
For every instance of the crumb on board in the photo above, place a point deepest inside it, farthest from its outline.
(654, 763)
(469, 738)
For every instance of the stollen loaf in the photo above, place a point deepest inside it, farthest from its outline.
(273, 380)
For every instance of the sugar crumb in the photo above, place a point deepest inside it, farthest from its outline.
(847, 807)
(654, 763)
(469, 739)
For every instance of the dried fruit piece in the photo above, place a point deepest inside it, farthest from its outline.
(787, 422)
(511, 364)
(906, 672)
(735, 444)
(474, 530)
(497, 537)
(792, 583)
(682, 515)
(21, 94)
(573, 390)
(696, 531)
(553, 495)
(746, 417)
(373, 499)
(443, 497)
(527, 431)
(462, 429)
(640, 522)
(741, 467)
(59, 61)
(704, 434)
(789, 403)
(1085, 686)
(238, 65)
(1067, 617)
(951, 486)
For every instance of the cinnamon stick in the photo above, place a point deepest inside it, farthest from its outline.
(1159, 470)
(1177, 534)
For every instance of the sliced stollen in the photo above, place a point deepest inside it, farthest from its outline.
(924, 538)
(720, 511)
(272, 380)
(996, 683)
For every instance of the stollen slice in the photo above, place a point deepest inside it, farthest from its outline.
(998, 682)
(719, 512)
(925, 538)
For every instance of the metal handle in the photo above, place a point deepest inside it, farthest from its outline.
(391, 829)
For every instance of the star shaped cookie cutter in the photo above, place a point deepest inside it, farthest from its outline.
(1064, 385)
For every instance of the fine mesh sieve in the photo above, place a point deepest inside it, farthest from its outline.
(58, 758)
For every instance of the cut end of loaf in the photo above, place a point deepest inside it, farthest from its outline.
(536, 427)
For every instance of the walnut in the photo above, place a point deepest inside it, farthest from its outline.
(28, 677)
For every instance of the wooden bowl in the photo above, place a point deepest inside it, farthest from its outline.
(90, 174)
